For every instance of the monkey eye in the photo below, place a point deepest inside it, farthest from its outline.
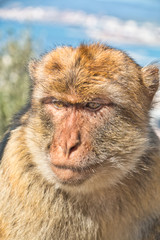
(58, 104)
(93, 106)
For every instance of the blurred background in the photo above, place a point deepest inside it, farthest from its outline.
(30, 28)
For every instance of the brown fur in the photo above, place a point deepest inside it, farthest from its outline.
(72, 173)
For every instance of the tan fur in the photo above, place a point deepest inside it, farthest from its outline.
(119, 199)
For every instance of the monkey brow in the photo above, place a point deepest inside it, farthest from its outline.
(68, 103)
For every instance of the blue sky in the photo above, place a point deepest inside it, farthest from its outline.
(133, 26)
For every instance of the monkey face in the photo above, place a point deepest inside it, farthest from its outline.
(91, 109)
(72, 155)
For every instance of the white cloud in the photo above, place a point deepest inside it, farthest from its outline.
(102, 28)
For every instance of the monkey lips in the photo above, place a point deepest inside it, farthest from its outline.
(73, 169)
(71, 174)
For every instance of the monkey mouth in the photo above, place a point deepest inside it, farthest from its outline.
(73, 175)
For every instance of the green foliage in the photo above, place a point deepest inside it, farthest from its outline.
(14, 79)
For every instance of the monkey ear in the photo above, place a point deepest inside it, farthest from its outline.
(151, 79)
(32, 66)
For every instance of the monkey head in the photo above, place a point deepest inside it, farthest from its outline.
(90, 107)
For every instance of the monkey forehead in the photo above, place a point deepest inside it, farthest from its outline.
(85, 70)
(96, 59)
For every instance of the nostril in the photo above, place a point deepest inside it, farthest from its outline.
(72, 149)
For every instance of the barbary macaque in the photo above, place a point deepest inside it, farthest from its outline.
(81, 161)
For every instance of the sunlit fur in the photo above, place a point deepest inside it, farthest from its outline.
(119, 198)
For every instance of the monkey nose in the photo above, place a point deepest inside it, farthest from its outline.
(72, 143)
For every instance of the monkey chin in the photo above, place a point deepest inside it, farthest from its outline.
(70, 175)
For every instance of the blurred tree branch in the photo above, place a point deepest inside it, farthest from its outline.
(14, 56)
